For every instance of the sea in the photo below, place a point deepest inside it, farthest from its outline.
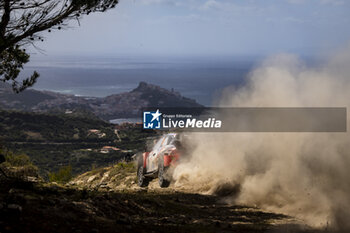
(199, 78)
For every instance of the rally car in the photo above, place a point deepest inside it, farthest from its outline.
(164, 154)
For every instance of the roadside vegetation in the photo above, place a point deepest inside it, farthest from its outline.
(62, 176)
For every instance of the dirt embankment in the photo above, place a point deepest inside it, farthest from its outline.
(28, 207)
(108, 200)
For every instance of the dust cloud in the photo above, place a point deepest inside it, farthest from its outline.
(306, 175)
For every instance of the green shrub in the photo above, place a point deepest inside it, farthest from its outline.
(18, 165)
(26, 170)
(63, 175)
(17, 160)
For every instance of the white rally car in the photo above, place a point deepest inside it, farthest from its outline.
(155, 163)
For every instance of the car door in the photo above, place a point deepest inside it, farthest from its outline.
(152, 162)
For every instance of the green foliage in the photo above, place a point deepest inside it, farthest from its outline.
(11, 62)
(19, 164)
(19, 160)
(25, 126)
(15, 160)
(21, 23)
(63, 175)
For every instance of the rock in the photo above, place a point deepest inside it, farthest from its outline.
(123, 221)
(164, 220)
(105, 176)
(15, 207)
(2, 158)
(91, 178)
(202, 222)
(12, 191)
(31, 197)
(32, 179)
(51, 202)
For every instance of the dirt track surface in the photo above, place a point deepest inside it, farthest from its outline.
(40, 207)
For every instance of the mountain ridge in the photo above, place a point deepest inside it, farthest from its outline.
(121, 105)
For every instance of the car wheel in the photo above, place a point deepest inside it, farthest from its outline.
(163, 181)
(142, 181)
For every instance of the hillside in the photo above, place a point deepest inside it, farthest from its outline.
(56, 140)
(39, 127)
(128, 104)
(26, 100)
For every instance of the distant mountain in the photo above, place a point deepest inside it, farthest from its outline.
(128, 104)
(25, 100)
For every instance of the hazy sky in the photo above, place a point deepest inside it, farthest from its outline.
(207, 27)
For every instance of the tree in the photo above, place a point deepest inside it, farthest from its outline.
(21, 23)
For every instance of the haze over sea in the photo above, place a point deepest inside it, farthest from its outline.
(199, 78)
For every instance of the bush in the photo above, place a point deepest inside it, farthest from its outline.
(25, 171)
(18, 165)
(64, 175)
(17, 160)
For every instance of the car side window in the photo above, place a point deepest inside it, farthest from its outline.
(158, 144)
(170, 140)
(166, 140)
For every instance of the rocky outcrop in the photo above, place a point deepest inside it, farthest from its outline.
(117, 177)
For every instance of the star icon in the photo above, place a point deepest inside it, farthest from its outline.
(156, 115)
